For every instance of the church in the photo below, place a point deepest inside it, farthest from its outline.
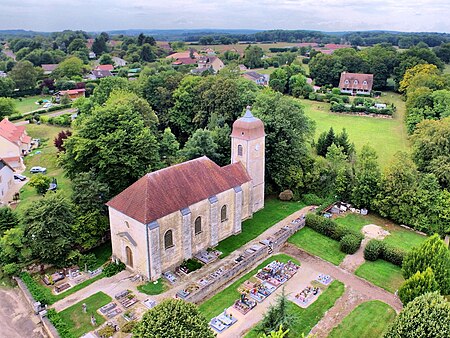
(171, 214)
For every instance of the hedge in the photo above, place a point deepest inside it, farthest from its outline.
(376, 249)
(350, 241)
(34, 288)
(60, 325)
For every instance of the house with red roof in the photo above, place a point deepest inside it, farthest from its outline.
(14, 143)
(104, 67)
(356, 83)
(175, 213)
(184, 58)
(73, 94)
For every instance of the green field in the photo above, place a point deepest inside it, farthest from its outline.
(356, 221)
(27, 104)
(273, 212)
(387, 136)
(80, 322)
(370, 319)
(381, 273)
(306, 319)
(318, 245)
(47, 158)
(215, 305)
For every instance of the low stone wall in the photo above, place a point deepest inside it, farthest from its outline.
(277, 241)
(48, 326)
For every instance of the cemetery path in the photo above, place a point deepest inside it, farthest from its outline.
(358, 284)
(352, 262)
(16, 316)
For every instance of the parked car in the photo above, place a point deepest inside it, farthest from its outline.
(47, 105)
(40, 170)
(19, 177)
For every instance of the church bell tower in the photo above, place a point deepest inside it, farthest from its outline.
(248, 147)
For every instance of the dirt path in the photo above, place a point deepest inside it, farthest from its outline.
(17, 321)
(352, 262)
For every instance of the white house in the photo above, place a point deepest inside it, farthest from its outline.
(6, 180)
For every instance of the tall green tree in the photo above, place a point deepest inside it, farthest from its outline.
(8, 220)
(6, 86)
(326, 69)
(367, 178)
(201, 143)
(7, 107)
(417, 285)
(88, 193)
(99, 46)
(253, 56)
(114, 142)
(72, 67)
(173, 318)
(49, 228)
(24, 75)
(279, 80)
(276, 317)
(434, 254)
(426, 316)
(107, 86)
(168, 147)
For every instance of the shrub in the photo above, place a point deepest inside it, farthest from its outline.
(191, 264)
(349, 244)
(393, 255)
(418, 284)
(34, 288)
(305, 61)
(128, 327)
(11, 269)
(15, 117)
(61, 326)
(106, 331)
(373, 250)
(88, 260)
(312, 199)
(112, 268)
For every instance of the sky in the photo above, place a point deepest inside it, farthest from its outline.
(323, 15)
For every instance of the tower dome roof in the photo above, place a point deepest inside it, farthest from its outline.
(248, 127)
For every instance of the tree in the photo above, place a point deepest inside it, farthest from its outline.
(40, 182)
(326, 69)
(106, 86)
(426, 316)
(8, 220)
(410, 73)
(298, 86)
(24, 75)
(443, 52)
(106, 59)
(115, 141)
(90, 227)
(89, 194)
(253, 57)
(173, 318)
(71, 67)
(417, 285)
(7, 107)
(59, 139)
(340, 172)
(168, 147)
(49, 228)
(201, 143)
(277, 334)
(434, 254)
(99, 45)
(367, 178)
(147, 54)
(276, 317)
(77, 45)
(279, 80)
(12, 246)
(6, 86)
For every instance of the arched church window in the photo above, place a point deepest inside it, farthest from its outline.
(223, 213)
(168, 239)
(239, 150)
(198, 225)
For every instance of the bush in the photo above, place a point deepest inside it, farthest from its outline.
(61, 326)
(191, 265)
(417, 285)
(312, 199)
(112, 268)
(88, 260)
(106, 331)
(305, 61)
(15, 117)
(373, 250)
(349, 244)
(128, 327)
(11, 269)
(393, 255)
(34, 288)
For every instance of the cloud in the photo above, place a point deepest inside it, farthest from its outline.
(328, 15)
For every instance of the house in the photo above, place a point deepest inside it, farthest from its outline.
(118, 62)
(259, 79)
(49, 68)
(92, 55)
(172, 214)
(99, 74)
(184, 58)
(6, 180)
(356, 84)
(14, 143)
(104, 67)
(89, 43)
(207, 63)
(73, 94)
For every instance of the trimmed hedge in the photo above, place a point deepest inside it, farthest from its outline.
(14, 117)
(35, 289)
(376, 249)
(60, 325)
(350, 241)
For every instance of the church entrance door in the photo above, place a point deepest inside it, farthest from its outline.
(129, 256)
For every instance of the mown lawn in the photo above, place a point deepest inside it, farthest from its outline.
(381, 273)
(370, 319)
(215, 305)
(27, 104)
(403, 238)
(80, 322)
(47, 158)
(273, 212)
(151, 288)
(306, 319)
(318, 245)
(387, 136)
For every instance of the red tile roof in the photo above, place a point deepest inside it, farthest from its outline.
(165, 191)
(11, 132)
(104, 67)
(72, 91)
(49, 67)
(356, 81)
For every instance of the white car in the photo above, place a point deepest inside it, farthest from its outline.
(47, 105)
(40, 170)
